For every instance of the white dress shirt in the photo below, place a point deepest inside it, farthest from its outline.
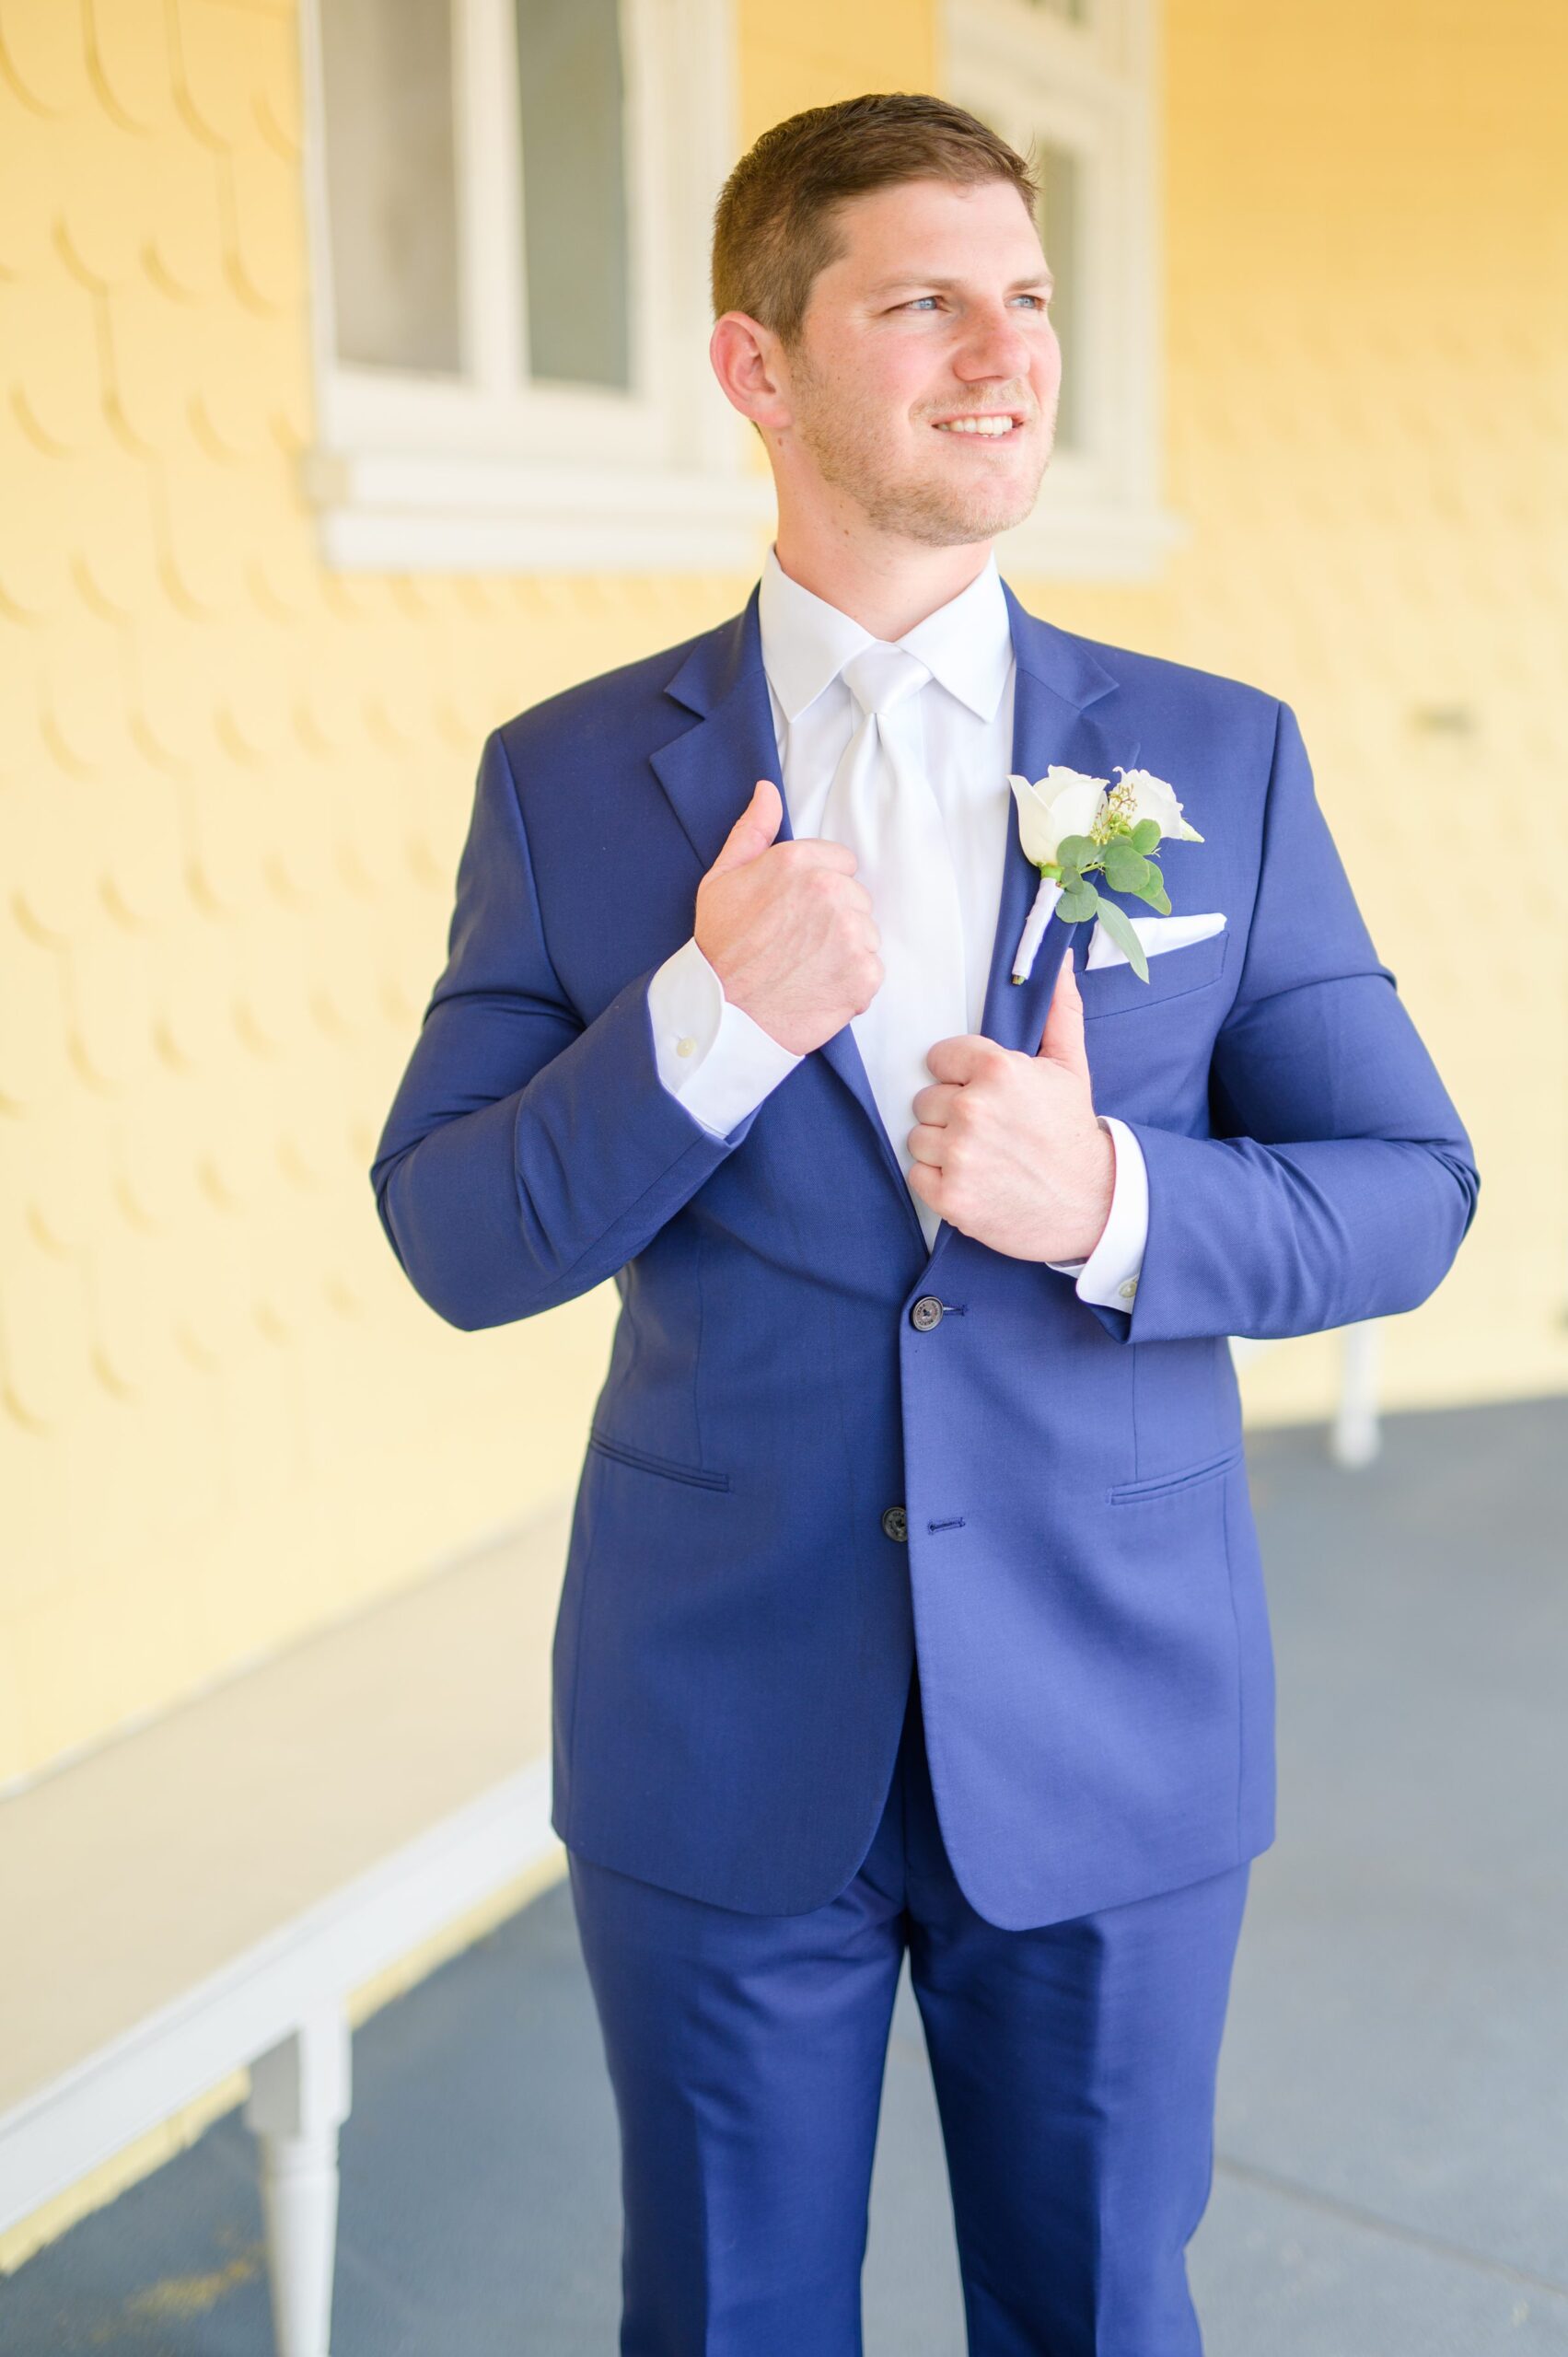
(711, 1053)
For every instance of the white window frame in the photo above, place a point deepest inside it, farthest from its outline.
(1089, 88)
(412, 472)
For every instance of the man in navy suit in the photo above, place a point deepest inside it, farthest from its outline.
(913, 1599)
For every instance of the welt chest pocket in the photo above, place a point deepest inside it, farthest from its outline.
(1116, 989)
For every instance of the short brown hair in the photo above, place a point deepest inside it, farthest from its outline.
(774, 225)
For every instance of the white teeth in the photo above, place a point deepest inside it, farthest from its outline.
(993, 425)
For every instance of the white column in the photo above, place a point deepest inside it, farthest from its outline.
(299, 2096)
(1356, 1438)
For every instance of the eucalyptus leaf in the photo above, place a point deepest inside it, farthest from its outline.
(1119, 924)
(1157, 897)
(1146, 833)
(1077, 850)
(1081, 901)
(1126, 870)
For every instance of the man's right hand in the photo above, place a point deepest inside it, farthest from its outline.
(787, 929)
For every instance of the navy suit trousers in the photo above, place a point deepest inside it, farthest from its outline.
(1073, 2066)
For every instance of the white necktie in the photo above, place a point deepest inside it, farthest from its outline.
(880, 804)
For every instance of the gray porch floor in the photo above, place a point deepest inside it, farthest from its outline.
(1393, 2118)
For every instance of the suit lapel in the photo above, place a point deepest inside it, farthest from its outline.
(709, 772)
(1055, 681)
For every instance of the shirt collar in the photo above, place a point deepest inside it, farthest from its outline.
(966, 644)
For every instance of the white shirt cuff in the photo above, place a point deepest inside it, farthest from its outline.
(711, 1054)
(1109, 1275)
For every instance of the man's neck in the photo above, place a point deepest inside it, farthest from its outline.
(887, 587)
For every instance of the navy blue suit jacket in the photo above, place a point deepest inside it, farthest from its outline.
(1081, 1576)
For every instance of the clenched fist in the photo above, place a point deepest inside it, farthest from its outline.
(787, 929)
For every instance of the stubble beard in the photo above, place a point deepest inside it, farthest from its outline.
(936, 514)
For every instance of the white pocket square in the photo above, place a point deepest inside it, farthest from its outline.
(1156, 933)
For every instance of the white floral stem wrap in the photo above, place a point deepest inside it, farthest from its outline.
(1033, 934)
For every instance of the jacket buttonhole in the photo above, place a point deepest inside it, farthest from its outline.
(957, 1523)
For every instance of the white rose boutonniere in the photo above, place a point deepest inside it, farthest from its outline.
(1069, 824)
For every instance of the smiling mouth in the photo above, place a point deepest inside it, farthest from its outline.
(999, 426)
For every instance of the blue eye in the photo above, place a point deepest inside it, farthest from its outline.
(1039, 301)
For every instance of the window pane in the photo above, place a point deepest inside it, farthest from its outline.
(392, 193)
(571, 104)
(1061, 211)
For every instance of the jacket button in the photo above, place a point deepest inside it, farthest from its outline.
(926, 1313)
(896, 1523)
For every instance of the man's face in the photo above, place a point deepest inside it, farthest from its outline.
(936, 311)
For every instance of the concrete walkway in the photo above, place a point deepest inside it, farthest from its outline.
(1392, 2177)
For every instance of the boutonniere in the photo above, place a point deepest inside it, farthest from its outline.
(1068, 824)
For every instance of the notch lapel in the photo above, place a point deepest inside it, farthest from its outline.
(709, 774)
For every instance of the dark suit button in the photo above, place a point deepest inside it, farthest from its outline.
(926, 1313)
(896, 1523)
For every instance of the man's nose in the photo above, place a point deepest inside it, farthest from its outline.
(995, 346)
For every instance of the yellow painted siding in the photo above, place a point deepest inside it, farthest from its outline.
(815, 55)
(234, 785)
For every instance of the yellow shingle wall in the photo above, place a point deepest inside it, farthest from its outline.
(232, 791)
(232, 788)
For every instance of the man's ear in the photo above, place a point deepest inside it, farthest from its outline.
(738, 355)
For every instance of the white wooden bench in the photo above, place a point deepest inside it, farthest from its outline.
(213, 1892)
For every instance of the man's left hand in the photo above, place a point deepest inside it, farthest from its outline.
(1007, 1147)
